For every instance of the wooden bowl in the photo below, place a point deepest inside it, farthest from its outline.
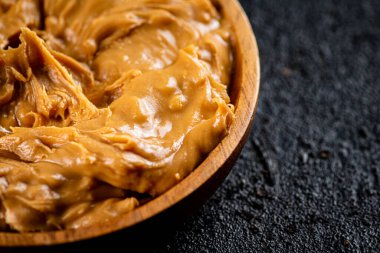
(203, 181)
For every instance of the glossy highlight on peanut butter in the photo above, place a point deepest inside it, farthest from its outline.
(101, 101)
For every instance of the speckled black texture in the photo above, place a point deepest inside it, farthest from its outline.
(308, 179)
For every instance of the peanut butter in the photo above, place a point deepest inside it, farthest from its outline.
(103, 103)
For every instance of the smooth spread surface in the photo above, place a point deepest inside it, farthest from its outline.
(101, 101)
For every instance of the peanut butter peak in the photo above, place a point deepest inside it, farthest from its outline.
(103, 103)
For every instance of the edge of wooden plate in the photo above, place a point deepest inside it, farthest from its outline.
(213, 169)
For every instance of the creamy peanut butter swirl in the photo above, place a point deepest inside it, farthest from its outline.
(102, 101)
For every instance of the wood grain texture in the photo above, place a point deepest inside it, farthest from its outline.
(209, 174)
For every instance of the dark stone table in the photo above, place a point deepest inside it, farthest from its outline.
(308, 179)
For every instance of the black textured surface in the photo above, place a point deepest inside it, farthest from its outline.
(308, 179)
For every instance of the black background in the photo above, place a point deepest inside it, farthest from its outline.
(308, 179)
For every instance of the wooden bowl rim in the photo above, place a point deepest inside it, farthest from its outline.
(246, 104)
